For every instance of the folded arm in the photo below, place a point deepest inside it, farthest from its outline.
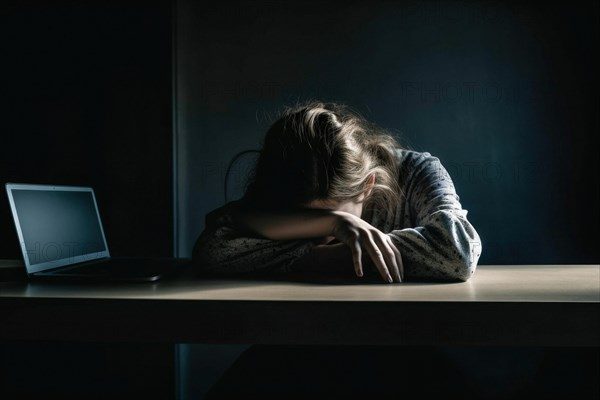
(442, 244)
(227, 247)
(247, 241)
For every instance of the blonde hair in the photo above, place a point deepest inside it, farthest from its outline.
(324, 151)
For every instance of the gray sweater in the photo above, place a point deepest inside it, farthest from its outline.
(429, 227)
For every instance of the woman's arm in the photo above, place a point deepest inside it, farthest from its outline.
(442, 244)
(223, 247)
(247, 241)
(352, 231)
(292, 224)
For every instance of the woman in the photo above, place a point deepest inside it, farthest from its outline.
(332, 191)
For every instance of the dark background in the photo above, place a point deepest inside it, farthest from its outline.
(86, 100)
(504, 93)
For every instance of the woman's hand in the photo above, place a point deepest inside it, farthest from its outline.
(356, 234)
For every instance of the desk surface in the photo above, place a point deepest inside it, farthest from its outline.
(508, 305)
(506, 283)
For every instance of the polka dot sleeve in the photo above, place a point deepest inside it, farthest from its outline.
(430, 228)
(222, 248)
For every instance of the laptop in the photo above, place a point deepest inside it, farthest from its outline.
(61, 237)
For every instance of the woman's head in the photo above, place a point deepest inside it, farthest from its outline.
(323, 155)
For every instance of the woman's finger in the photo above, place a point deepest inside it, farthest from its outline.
(351, 238)
(389, 255)
(377, 256)
(398, 255)
(357, 258)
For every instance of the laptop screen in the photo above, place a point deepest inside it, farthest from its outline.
(57, 225)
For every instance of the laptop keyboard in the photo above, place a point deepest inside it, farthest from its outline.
(123, 267)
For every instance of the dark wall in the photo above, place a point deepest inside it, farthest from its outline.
(504, 93)
(86, 100)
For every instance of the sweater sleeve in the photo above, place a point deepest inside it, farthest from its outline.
(223, 248)
(441, 244)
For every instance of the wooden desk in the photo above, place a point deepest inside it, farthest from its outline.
(545, 305)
